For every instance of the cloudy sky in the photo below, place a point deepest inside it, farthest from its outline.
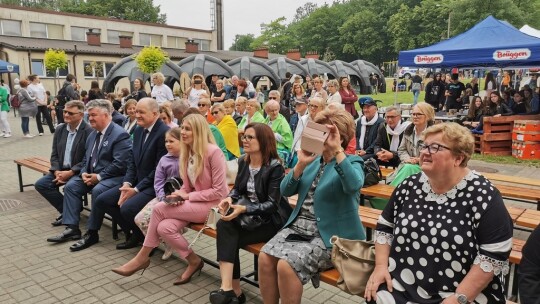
(240, 16)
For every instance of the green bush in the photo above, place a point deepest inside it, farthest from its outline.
(150, 59)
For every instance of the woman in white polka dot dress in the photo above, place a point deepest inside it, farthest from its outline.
(445, 235)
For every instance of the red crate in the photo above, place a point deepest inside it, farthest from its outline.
(526, 149)
(527, 125)
(526, 136)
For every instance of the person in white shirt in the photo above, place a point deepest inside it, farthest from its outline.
(36, 89)
(160, 91)
(198, 88)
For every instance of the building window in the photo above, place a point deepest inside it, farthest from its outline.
(43, 30)
(38, 68)
(10, 27)
(204, 45)
(99, 69)
(112, 36)
(176, 42)
(148, 39)
(78, 33)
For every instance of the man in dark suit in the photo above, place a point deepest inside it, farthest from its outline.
(108, 152)
(123, 203)
(67, 156)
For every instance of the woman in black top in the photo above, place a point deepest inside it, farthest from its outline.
(95, 91)
(219, 94)
(138, 90)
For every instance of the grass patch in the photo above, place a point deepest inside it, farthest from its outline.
(509, 160)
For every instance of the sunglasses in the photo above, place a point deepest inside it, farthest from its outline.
(215, 113)
(202, 105)
(272, 98)
(71, 113)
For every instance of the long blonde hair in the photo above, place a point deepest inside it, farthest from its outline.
(202, 136)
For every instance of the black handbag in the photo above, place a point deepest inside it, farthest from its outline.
(249, 222)
(372, 172)
(172, 184)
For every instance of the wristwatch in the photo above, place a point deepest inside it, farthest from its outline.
(461, 298)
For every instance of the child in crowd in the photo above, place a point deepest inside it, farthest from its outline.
(167, 168)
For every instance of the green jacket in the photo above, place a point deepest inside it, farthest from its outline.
(257, 117)
(220, 142)
(336, 197)
(4, 103)
(282, 127)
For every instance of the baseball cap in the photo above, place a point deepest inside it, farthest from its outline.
(367, 101)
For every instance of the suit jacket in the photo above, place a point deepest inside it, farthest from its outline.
(146, 156)
(371, 135)
(114, 153)
(336, 197)
(211, 186)
(77, 149)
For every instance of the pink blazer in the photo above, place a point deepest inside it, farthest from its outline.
(211, 186)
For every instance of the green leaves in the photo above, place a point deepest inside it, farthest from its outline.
(242, 43)
(55, 59)
(150, 59)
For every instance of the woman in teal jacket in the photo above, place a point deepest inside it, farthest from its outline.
(4, 109)
(328, 196)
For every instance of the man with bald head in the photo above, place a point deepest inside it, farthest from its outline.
(123, 202)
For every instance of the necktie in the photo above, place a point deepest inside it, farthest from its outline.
(145, 135)
(93, 156)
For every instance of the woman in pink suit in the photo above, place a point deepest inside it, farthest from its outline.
(203, 172)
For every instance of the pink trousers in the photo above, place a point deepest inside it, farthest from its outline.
(166, 222)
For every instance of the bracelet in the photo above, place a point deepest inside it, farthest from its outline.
(338, 151)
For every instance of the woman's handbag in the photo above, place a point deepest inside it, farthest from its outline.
(355, 261)
(172, 184)
(249, 222)
(372, 172)
(211, 222)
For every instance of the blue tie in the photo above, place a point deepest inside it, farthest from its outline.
(93, 156)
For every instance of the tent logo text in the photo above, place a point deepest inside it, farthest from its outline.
(512, 54)
(428, 59)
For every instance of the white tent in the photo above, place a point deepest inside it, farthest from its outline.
(531, 31)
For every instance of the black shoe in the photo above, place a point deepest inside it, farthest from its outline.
(132, 242)
(58, 221)
(242, 298)
(223, 297)
(69, 234)
(87, 240)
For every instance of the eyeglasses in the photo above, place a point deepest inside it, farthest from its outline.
(391, 116)
(417, 114)
(433, 148)
(202, 105)
(312, 106)
(71, 113)
(247, 137)
(272, 97)
(215, 113)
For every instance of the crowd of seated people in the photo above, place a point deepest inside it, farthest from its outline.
(125, 169)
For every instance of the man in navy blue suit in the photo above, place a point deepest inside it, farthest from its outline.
(108, 152)
(123, 203)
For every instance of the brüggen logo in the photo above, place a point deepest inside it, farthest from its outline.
(511, 54)
(428, 59)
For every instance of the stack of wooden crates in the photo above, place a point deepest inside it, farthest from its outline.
(526, 139)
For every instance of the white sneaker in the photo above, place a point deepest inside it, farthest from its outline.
(7, 135)
(29, 136)
(40, 134)
(168, 252)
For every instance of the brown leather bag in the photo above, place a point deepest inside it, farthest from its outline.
(355, 261)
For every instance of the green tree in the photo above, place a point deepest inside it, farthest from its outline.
(55, 60)
(242, 43)
(304, 11)
(150, 59)
(276, 36)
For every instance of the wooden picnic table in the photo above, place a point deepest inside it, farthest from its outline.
(512, 179)
(529, 218)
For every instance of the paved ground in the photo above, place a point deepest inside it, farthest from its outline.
(34, 271)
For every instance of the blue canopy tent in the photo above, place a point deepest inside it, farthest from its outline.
(490, 43)
(6, 67)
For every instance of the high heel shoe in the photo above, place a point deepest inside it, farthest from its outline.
(180, 281)
(127, 273)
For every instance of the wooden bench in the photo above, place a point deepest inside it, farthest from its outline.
(529, 219)
(509, 192)
(38, 164)
(497, 137)
(512, 179)
(42, 165)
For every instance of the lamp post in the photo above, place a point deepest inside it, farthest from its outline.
(448, 30)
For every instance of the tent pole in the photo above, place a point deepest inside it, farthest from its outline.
(396, 77)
